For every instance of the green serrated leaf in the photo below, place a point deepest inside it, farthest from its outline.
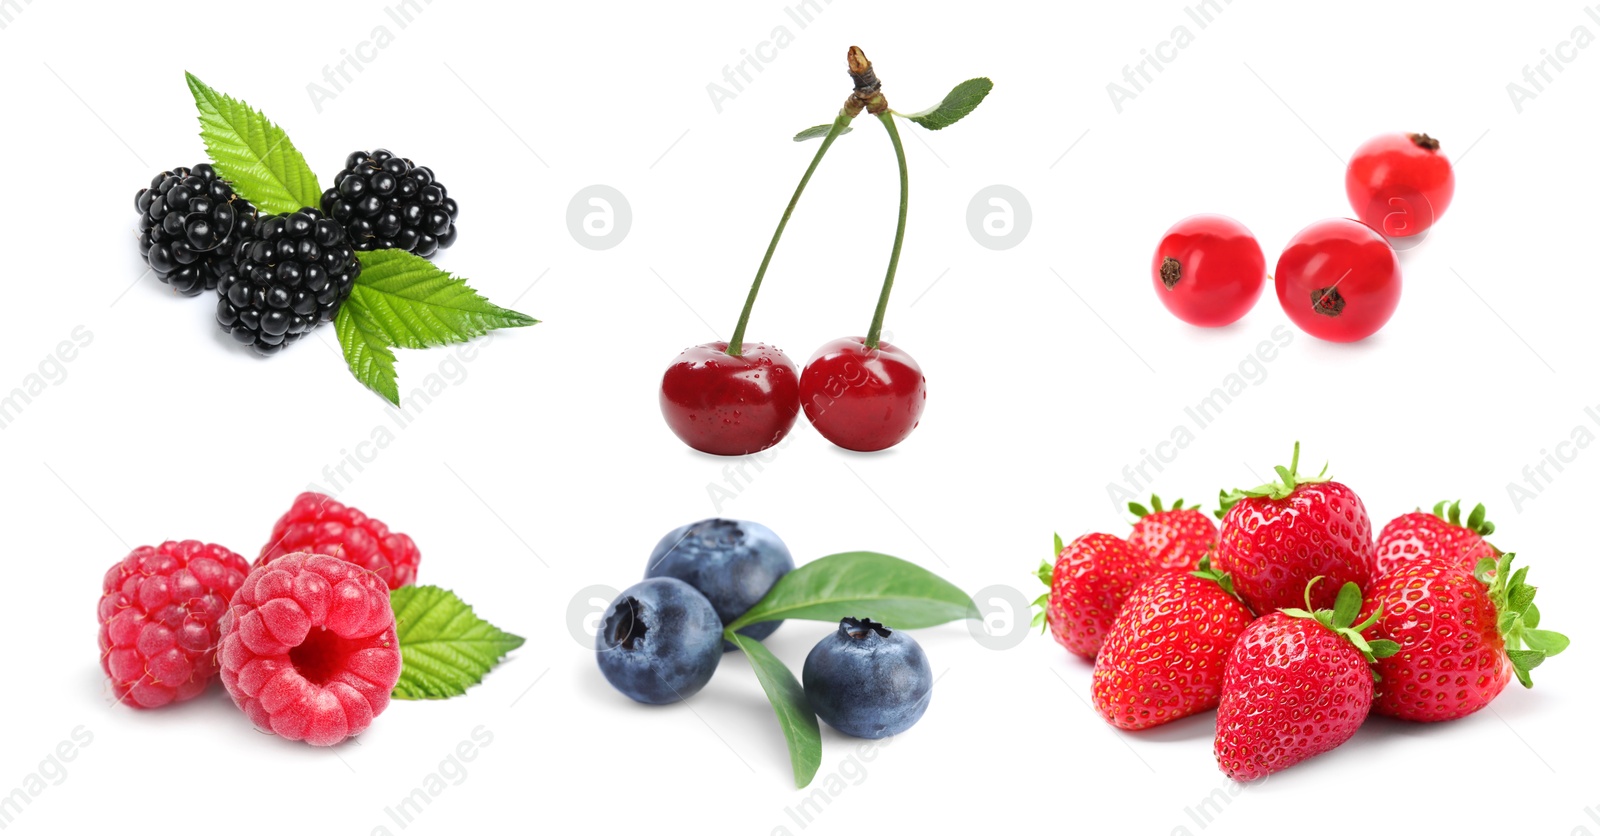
(445, 647)
(818, 132)
(252, 153)
(414, 304)
(788, 698)
(959, 102)
(896, 592)
(1059, 546)
(367, 353)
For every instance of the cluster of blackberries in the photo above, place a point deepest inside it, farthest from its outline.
(387, 202)
(279, 276)
(188, 225)
(291, 272)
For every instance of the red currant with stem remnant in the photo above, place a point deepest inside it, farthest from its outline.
(1399, 183)
(1208, 270)
(1338, 280)
(730, 398)
(862, 393)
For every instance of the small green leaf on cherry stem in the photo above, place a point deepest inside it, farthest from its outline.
(960, 101)
(818, 132)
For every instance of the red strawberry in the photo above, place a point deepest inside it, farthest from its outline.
(1277, 537)
(1461, 637)
(1440, 535)
(1163, 658)
(1176, 537)
(1298, 683)
(1093, 575)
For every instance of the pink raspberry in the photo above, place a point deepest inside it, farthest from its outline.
(159, 613)
(319, 525)
(309, 650)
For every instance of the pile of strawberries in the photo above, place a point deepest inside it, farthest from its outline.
(1291, 621)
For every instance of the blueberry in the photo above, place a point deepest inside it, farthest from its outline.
(868, 681)
(732, 563)
(659, 642)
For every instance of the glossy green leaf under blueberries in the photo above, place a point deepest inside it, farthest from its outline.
(252, 153)
(788, 698)
(445, 648)
(896, 592)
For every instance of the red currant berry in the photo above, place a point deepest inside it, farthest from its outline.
(726, 405)
(863, 399)
(1208, 270)
(1339, 280)
(1399, 184)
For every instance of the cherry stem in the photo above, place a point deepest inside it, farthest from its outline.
(736, 345)
(873, 333)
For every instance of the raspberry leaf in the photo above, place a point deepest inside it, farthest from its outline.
(788, 698)
(960, 101)
(252, 153)
(894, 591)
(818, 132)
(444, 646)
(367, 352)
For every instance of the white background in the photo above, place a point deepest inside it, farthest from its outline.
(547, 470)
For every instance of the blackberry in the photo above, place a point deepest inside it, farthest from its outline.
(189, 220)
(290, 272)
(388, 202)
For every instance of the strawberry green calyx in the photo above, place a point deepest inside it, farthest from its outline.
(1289, 478)
(1341, 620)
(1526, 645)
(1140, 511)
(1046, 573)
(1476, 522)
(1220, 578)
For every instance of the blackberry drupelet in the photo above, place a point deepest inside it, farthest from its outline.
(189, 219)
(290, 273)
(388, 202)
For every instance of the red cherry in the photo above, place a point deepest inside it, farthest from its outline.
(1399, 184)
(729, 406)
(1338, 280)
(863, 399)
(1208, 270)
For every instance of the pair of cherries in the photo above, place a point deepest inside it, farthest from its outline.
(858, 397)
(735, 398)
(1338, 279)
